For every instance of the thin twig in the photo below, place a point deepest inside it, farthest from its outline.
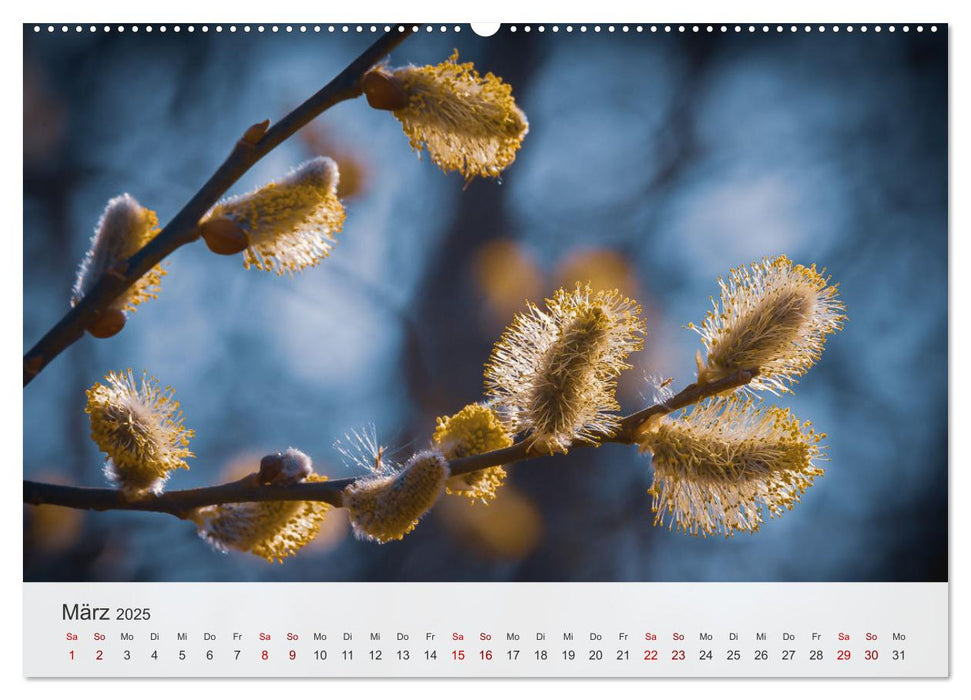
(626, 434)
(182, 229)
(247, 490)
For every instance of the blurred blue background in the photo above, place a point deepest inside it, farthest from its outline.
(654, 163)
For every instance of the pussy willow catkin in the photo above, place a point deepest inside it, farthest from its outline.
(468, 122)
(272, 530)
(473, 430)
(385, 508)
(554, 372)
(773, 316)
(138, 425)
(717, 466)
(125, 228)
(291, 223)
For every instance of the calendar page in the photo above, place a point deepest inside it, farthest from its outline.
(519, 350)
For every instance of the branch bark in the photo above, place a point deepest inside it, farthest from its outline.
(248, 490)
(256, 143)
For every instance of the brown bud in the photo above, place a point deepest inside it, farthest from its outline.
(270, 468)
(108, 323)
(224, 236)
(383, 91)
(32, 367)
(253, 134)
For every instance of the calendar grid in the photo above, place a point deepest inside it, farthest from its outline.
(492, 630)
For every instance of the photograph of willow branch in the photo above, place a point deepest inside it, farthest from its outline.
(411, 304)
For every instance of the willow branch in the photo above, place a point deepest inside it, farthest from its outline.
(248, 489)
(626, 434)
(182, 229)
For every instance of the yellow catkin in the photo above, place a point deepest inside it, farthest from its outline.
(125, 228)
(554, 372)
(718, 466)
(291, 223)
(468, 122)
(773, 316)
(473, 430)
(388, 507)
(139, 427)
(273, 530)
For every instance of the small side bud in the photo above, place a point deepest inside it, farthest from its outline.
(290, 467)
(253, 134)
(108, 323)
(383, 90)
(32, 366)
(270, 468)
(224, 236)
(297, 466)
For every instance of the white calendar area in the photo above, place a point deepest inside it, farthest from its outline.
(471, 629)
